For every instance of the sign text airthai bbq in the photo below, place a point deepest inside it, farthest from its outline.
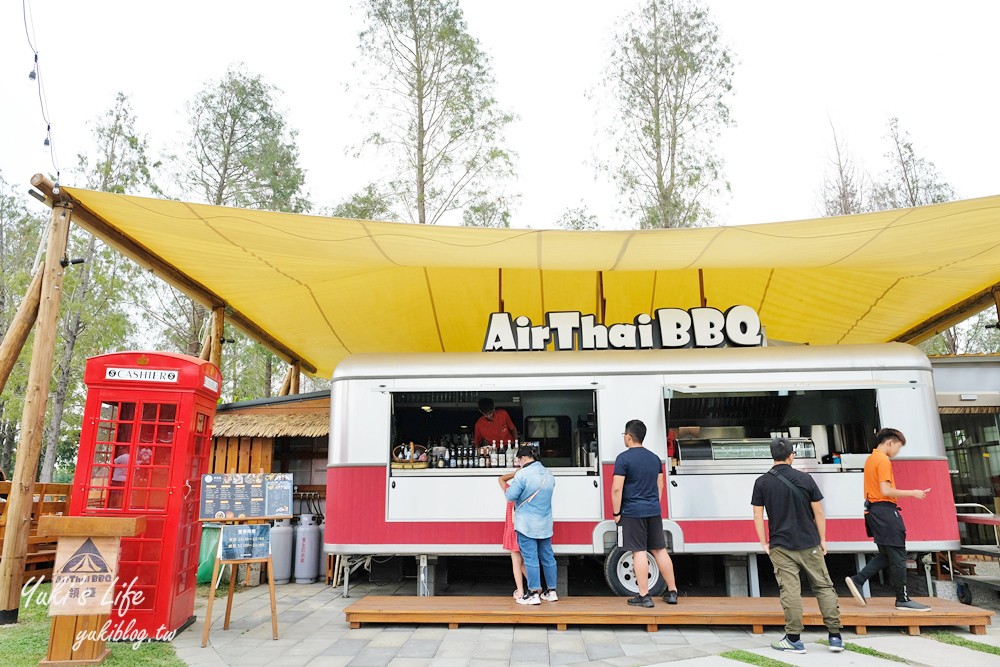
(739, 326)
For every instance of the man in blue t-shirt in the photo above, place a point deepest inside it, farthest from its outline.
(635, 500)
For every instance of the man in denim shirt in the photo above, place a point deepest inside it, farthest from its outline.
(531, 492)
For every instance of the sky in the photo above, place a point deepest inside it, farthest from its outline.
(802, 69)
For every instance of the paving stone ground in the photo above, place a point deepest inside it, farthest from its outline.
(312, 632)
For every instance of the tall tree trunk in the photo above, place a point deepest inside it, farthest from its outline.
(71, 332)
(268, 371)
(58, 400)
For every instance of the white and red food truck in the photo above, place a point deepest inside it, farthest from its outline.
(718, 408)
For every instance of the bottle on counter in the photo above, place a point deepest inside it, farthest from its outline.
(482, 458)
(494, 457)
(513, 448)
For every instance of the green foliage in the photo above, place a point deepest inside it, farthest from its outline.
(670, 76)
(20, 232)
(486, 211)
(579, 219)
(369, 204)
(240, 152)
(96, 306)
(910, 180)
(432, 106)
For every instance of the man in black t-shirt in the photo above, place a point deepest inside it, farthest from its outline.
(635, 500)
(797, 544)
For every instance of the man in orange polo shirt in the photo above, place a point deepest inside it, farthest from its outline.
(884, 522)
(494, 426)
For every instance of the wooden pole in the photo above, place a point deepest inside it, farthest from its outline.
(218, 322)
(701, 288)
(206, 345)
(20, 327)
(296, 371)
(996, 301)
(15, 545)
(286, 384)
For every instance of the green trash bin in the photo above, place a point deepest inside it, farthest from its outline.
(210, 534)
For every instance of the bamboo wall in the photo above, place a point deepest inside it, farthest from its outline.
(241, 455)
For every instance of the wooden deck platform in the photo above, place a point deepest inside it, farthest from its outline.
(755, 612)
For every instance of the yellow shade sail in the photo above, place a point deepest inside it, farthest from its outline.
(322, 288)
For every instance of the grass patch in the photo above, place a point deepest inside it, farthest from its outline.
(24, 644)
(754, 659)
(864, 650)
(955, 640)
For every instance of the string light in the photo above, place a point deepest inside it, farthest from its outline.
(36, 75)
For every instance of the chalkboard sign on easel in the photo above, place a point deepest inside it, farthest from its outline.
(245, 496)
(233, 499)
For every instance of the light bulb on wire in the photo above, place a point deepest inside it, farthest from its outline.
(31, 75)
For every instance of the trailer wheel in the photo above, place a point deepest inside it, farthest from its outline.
(621, 577)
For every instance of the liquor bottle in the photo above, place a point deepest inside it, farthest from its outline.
(480, 459)
(513, 447)
(494, 457)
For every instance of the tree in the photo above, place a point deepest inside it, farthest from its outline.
(240, 153)
(669, 76)
(97, 290)
(910, 180)
(20, 233)
(579, 219)
(369, 204)
(845, 185)
(431, 98)
(486, 211)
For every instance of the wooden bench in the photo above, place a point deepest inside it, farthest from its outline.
(48, 499)
(692, 611)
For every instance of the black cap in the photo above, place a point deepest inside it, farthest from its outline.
(526, 450)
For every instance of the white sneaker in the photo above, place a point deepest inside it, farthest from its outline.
(550, 595)
(530, 598)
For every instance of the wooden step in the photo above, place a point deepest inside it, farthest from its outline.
(754, 612)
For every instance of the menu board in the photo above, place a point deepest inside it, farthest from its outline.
(231, 496)
(242, 542)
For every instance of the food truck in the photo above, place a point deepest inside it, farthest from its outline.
(400, 480)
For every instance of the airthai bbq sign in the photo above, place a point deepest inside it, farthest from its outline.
(671, 328)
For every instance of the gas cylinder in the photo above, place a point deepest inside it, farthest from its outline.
(306, 551)
(281, 550)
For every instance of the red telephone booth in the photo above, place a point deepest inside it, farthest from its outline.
(144, 444)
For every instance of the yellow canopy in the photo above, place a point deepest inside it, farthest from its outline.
(317, 289)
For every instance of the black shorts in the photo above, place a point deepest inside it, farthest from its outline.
(643, 534)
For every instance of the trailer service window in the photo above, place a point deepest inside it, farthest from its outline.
(434, 430)
(739, 425)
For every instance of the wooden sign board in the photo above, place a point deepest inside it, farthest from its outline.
(83, 581)
(245, 542)
(245, 496)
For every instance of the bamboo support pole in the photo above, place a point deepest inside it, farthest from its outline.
(15, 545)
(996, 301)
(20, 327)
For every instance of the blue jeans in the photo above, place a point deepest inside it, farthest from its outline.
(535, 550)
